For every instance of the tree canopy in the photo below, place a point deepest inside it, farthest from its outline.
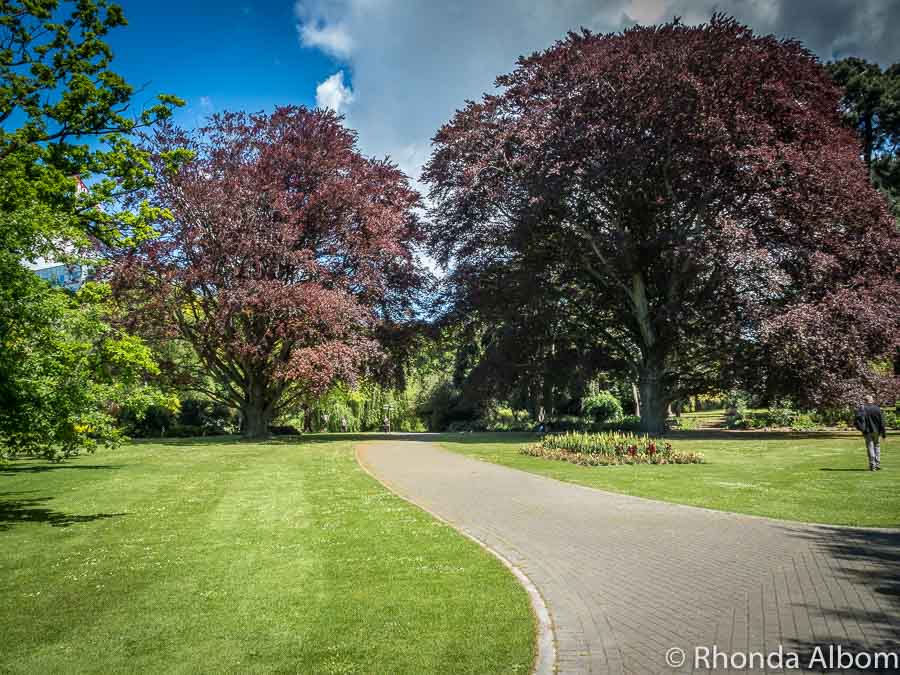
(65, 114)
(283, 256)
(871, 105)
(686, 201)
(65, 121)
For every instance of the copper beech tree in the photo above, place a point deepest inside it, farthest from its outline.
(286, 252)
(687, 201)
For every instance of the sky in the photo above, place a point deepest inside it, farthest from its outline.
(398, 69)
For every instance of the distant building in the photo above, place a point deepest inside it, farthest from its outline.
(59, 274)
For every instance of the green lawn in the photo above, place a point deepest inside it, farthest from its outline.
(811, 477)
(231, 557)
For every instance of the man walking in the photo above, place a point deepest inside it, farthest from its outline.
(871, 423)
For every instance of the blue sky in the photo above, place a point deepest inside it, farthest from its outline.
(217, 55)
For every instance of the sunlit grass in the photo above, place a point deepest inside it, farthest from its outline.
(811, 477)
(233, 557)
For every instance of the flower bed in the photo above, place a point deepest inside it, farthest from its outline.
(609, 448)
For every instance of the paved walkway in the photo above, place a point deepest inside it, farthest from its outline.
(626, 579)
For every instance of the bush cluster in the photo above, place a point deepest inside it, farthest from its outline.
(193, 417)
(602, 407)
(609, 448)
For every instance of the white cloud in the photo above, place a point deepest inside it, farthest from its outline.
(206, 104)
(646, 11)
(334, 40)
(333, 93)
(414, 62)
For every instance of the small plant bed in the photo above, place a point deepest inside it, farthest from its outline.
(609, 448)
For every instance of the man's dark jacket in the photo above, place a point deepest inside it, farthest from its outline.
(869, 420)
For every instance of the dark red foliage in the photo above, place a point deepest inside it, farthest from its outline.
(286, 251)
(688, 192)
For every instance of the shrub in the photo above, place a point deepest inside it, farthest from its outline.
(756, 421)
(192, 417)
(740, 421)
(504, 418)
(737, 401)
(156, 421)
(215, 418)
(608, 448)
(833, 417)
(446, 405)
(804, 422)
(781, 414)
(890, 418)
(602, 407)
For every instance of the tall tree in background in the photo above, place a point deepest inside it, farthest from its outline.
(285, 254)
(871, 105)
(688, 195)
(63, 114)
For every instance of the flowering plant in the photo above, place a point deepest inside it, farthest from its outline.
(603, 449)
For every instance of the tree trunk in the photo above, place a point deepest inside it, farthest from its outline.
(307, 419)
(868, 141)
(654, 406)
(257, 415)
(637, 399)
(654, 403)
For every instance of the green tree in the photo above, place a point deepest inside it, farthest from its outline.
(65, 121)
(67, 371)
(871, 105)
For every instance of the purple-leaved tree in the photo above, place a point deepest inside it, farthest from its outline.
(688, 198)
(286, 253)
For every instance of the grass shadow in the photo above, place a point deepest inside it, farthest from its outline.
(465, 437)
(16, 510)
(287, 439)
(737, 435)
(11, 470)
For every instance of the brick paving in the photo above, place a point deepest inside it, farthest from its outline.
(626, 579)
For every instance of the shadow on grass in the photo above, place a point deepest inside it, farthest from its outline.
(696, 434)
(869, 558)
(16, 509)
(12, 470)
(287, 439)
(736, 435)
(486, 437)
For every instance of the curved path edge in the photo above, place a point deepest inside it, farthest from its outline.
(545, 639)
(623, 580)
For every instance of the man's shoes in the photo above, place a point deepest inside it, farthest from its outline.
(877, 468)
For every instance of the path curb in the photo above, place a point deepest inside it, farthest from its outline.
(545, 638)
